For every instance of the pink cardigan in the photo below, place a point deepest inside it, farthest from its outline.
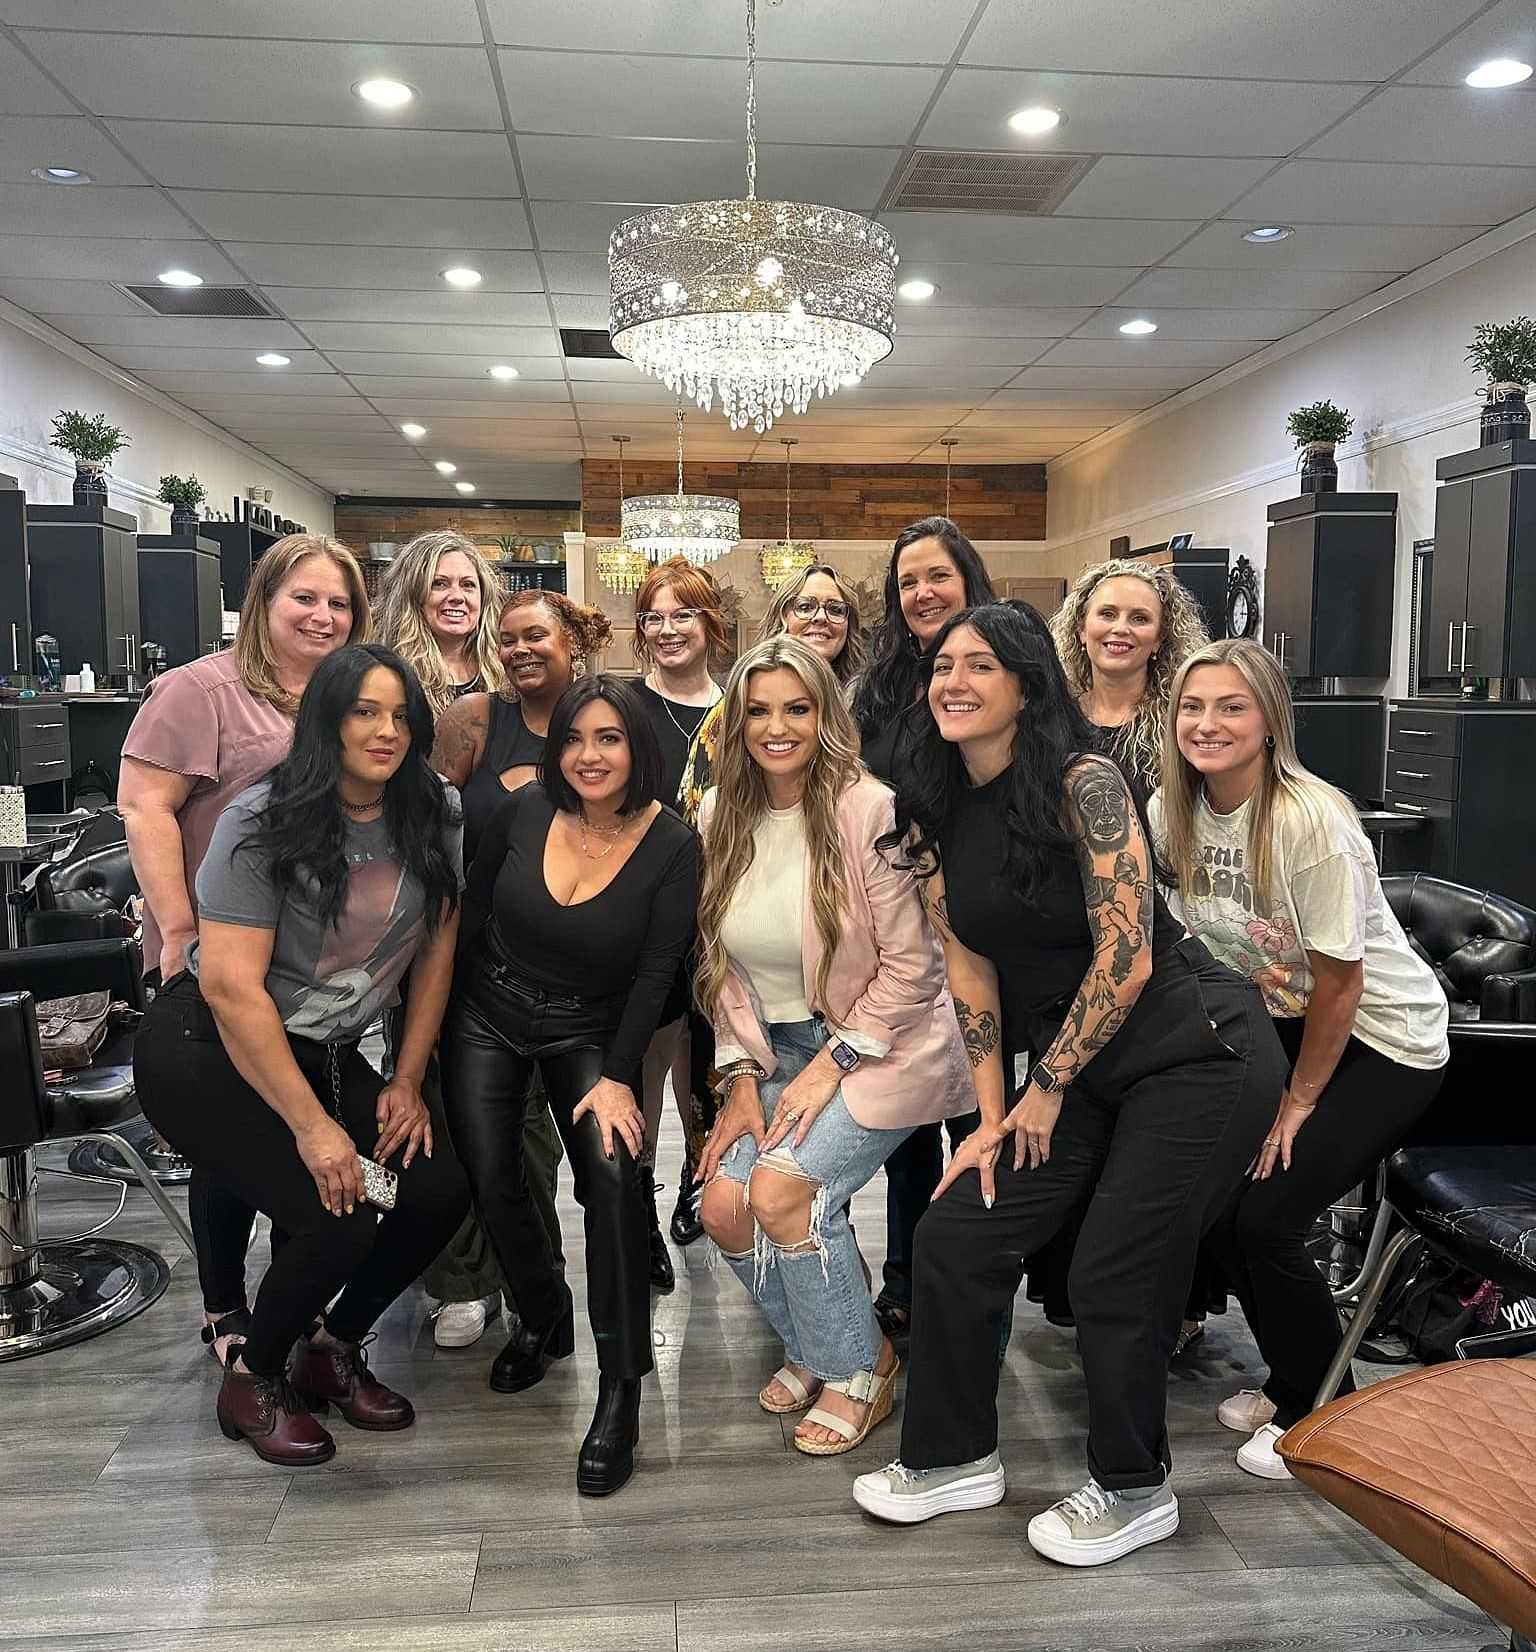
(886, 991)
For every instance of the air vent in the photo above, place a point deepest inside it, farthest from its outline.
(588, 344)
(955, 180)
(225, 302)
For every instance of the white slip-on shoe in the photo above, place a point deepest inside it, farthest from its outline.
(459, 1324)
(1258, 1455)
(1094, 1526)
(908, 1495)
(1246, 1410)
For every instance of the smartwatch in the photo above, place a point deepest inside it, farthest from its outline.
(1043, 1078)
(844, 1055)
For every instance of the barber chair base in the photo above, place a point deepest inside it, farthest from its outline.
(84, 1287)
(97, 1158)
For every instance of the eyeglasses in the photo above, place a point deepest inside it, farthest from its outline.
(683, 619)
(807, 609)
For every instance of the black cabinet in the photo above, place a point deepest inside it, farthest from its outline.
(240, 545)
(1482, 607)
(1328, 584)
(179, 603)
(1341, 738)
(85, 586)
(34, 743)
(1468, 770)
(15, 598)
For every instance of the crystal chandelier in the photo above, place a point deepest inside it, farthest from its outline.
(698, 526)
(763, 303)
(781, 562)
(621, 567)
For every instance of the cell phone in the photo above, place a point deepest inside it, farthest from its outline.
(380, 1186)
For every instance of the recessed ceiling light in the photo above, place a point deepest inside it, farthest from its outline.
(179, 278)
(465, 487)
(1268, 232)
(444, 467)
(1499, 71)
(916, 290)
(61, 175)
(1035, 121)
(1139, 328)
(384, 93)
(502, 371)
(462, 276)
(272, 359)
(414, 431)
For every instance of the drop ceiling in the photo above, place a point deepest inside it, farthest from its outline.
(225, 138)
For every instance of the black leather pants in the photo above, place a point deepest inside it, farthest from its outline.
(497, 1029)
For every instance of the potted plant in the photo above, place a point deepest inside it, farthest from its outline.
(1316, 430)
(183, 494)
(1506, 353)
(91, 442)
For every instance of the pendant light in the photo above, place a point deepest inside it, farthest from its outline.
(782, 561)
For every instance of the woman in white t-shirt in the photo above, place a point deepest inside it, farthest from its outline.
(1276, 877)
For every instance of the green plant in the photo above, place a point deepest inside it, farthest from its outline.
(507, 545)
(89, 440)
(1505, 351)
(185, 491)
(1319, 422)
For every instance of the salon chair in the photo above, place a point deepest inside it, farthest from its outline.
(61, 1291)
(100, 881)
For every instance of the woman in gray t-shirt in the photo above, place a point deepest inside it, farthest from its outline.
(320, 887)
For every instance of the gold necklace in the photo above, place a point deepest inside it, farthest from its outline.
(612, 833)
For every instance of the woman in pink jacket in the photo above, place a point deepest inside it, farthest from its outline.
(835, 1033)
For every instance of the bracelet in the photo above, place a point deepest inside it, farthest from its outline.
(736, 1070)
(1305, 1084)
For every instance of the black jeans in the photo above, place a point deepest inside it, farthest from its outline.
(194, 1095)
(221, 1224)
(498, 1028)
(912, 1173)
(1159, 1130)
(1369, 1107)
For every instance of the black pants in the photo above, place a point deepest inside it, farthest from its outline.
(912, 1173)
(196, 1098)
(1370, 1105)
(498, 1028)
(1161, 1128)
(221, 1227)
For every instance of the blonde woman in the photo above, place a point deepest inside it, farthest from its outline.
(438, 607)
(205, 732)
(835, 1033)
(1278, 880)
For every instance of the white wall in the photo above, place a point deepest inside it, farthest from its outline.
(38, 379)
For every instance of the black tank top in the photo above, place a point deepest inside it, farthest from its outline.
(509, 744)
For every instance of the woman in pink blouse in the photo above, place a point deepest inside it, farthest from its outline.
(205, 732)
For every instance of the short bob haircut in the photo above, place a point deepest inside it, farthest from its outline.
(645, 767)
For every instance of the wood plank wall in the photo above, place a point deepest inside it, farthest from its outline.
(357, 525)
(833, 501)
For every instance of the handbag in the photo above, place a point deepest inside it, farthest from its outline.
(71, 1030)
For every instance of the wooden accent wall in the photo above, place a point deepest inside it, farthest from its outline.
(357, 525)
(833, 501)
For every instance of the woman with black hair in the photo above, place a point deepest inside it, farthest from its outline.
(321, 885)
(1157, 1075)
(590, 876)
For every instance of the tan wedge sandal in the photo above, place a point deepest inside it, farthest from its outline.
(787, 1379)
(878, 1393)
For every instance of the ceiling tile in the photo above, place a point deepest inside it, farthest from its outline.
(204, 359)
(1384, 192)
(404, 364)
(972, 285)
(85, 258)
(444, 20)
(25, 89)
(239, 407)
(578, 273)
(1075, 396)
(897, 373)
(587, 310)
(579, 226)
(410, 268)
(359, 221)
(411, 398)
(1248, 289)
(427, 338)
(1321, 247)
(149, 330)
(949, 352)
(1434, 123)
(1507, 30)
(995, 321)
(36, 140)
(592, 370)
(493, 309)
(52, 209)
(1136, 115)
(1143, 353)
(69, 297)
(1063, 422)
(1139, 378)
(386, 161)
(923, 237)
(1229, 324)
(1160, 186)
(194, 387)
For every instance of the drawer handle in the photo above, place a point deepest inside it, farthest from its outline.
(1418, 733)
(1412, 774)
(47, 725)
(1411, 808)
(56, 763)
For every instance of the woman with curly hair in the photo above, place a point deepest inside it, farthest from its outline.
(437, 609)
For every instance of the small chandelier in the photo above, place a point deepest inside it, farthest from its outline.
(781, 562)
(763, 303)
(949, 444)
(621, 567)
(698, 526)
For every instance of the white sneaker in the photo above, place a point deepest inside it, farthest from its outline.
(1094, 1526)
(1247, 1410)
(908, 1495)
(459, 1324)
(1258, 1455)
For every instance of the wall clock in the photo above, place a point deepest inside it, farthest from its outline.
(1243, 600)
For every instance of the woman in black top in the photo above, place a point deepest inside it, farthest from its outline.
(1158, 1075)
(578, 910)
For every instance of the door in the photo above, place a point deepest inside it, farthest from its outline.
(1288, 582)
(1043, 595)
(1483, 651)
(1448, 590)
(210, 617)
(15, 601)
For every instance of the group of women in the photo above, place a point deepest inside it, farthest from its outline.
(1063, 889)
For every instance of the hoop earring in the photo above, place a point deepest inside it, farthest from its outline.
(1269, 742)
(578, 668)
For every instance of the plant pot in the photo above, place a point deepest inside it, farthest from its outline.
(1506, 417)
(1319, 472)
(90, 482)
(185, 519)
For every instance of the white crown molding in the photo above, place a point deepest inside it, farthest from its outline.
(50, 459)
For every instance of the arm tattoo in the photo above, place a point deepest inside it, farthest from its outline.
(980, 1031)
(937, 908)
(459, 742)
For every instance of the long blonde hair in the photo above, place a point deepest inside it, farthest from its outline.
(253, 640)
(1139, 745)
(1285, 782)
(741, 801)
(855, 653)
(402, 619)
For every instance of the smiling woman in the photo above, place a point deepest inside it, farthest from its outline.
(437, 606)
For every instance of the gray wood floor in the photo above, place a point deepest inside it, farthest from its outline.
(128, 1523)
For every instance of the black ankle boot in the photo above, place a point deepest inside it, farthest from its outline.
(663, 1278)
(685, 1226)
(608, 1453)
(529, 1350)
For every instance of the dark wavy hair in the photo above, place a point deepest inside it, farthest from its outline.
(1051, 732)
(645, 765)
(887, 688)
(302, 828)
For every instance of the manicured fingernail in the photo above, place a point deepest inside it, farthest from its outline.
(986, 1199)
(349, 1210)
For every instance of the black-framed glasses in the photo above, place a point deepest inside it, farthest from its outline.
(683, 619)
(807, 608)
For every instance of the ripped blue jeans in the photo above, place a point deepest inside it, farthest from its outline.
(814, 1294)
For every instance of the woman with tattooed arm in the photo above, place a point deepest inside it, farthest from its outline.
(1158, 1074)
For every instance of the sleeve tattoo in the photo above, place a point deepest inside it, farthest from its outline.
(456, 749)
(979, 1030)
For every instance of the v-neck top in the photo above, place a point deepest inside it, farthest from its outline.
(624, 944)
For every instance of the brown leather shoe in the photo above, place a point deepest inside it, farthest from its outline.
(338, 1373)
(267, 1412)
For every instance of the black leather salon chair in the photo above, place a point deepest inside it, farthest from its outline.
(101, 881)
(63, 1291)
